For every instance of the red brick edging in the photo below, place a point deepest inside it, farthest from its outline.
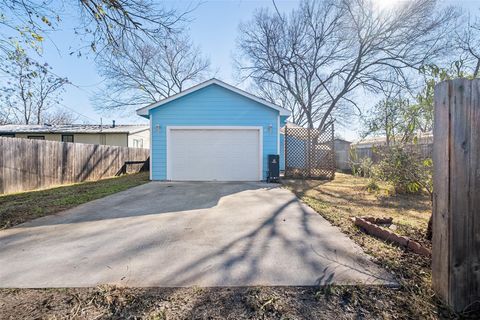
(388, 235)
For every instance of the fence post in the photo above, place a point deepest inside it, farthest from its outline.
(456, 200)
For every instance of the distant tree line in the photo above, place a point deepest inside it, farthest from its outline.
(140, 42)
(316, 60)
(319, 59)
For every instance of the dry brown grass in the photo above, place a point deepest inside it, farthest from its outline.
(337, 201)
(195, 303)
(347, 196)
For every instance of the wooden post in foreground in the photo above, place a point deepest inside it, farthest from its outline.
(456, 200)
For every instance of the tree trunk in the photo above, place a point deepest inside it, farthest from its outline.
(429, 233)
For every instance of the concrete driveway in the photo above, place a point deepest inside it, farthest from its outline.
(185, 234)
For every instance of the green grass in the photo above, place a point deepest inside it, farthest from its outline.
(21, 207)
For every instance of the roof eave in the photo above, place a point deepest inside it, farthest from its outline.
(144, 111)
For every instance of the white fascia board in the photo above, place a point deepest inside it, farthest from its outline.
(144, 111)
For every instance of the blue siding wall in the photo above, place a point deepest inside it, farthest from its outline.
(210, 106)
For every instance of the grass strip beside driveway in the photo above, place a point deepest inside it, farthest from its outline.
(21, 207)
(346, 197)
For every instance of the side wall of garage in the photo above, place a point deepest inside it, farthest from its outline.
(211, 106)
(283, 122)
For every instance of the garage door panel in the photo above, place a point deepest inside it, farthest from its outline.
(214, 154)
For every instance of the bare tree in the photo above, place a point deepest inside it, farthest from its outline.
(59, 116)
(100, 23)
(468, 45)
(5, 115)
(30, 90)
(325, 51)
(118, 21)
(144, 73)
(275, 94)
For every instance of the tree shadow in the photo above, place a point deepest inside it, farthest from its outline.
(285, 243)
(149, 199)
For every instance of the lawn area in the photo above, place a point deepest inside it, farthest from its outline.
(21, 207)
(337, 201)
(348, 196)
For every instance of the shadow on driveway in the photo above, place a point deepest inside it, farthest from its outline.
(184, 234)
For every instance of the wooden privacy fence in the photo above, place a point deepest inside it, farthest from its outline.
(34, 164)
(378, 152)
(456, 199)
(309, 153)
(375, 152)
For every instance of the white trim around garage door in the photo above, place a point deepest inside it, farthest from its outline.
(260, 142)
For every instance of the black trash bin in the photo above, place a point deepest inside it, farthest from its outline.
(273, 168)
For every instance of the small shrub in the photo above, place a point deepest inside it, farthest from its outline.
(363, 168)
(405, 170)
(372, 186)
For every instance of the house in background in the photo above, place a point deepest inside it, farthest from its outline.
(342, 154)
(213, 131)
(134, 136)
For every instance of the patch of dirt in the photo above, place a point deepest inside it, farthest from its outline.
(346, 197)
(342, 302)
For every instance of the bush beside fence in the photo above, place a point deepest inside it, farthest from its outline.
(35, 164)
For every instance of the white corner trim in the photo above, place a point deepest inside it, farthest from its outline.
(260, 142)
(260, 153)
(151, 148)
(167, 139)
(144, 111)
(278, 135)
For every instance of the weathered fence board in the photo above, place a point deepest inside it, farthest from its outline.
(456, 201)
(33, 164)
(375, 153)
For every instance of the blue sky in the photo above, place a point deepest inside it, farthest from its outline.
(213, 26)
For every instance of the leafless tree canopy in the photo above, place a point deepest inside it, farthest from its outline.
(31, 88)
(324, 51)
(143, 73)
(31, 94)
(118, 21)
(101, 23)
(59, 116)
(468, 44)
(275, 94)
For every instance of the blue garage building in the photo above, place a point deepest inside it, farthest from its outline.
(213, 132)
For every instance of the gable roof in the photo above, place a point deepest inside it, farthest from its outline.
(144, 111)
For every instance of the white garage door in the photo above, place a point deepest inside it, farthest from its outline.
(214, 154)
